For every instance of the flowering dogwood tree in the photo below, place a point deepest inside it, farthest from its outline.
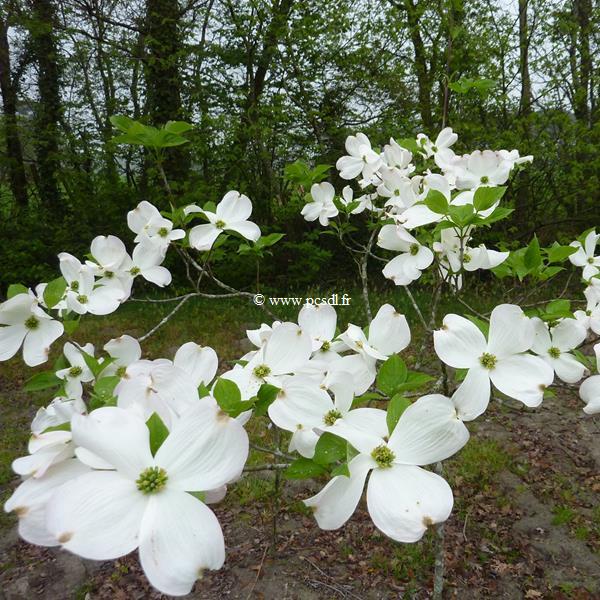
(131, 451)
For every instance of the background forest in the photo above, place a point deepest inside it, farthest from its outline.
(270, 82)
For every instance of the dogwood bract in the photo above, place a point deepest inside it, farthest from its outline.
(145, 502)
(501, 359)
(403, 499)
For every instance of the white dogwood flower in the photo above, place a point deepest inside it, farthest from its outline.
(584, 257)
(361, 158)
(482, 168)
(77, 372)
(146, 221)
(24, 323)
(231, 214)
(501, 359)
(403, 499)
(322, 206)
(446, 138)
(554, 346)
(146, 262)
(145, 501)
(406, 267)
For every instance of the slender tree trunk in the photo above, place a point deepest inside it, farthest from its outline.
(49, 108)
(163, 78)
(16, 167)
(582, 10)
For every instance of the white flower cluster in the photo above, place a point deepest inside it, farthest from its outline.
(399, 195)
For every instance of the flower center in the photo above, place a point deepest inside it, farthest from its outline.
(434, 148)
(75, 285)
(554, 352)
(163, 232)
(488, 361)
(590, 260)
(414, 249)
(121, 371)
(151, 480)
(135, 271)
(220, 224)
(466, 258)
(325, 346)
(32, 323)
(588, 313)
(82, 299)
(485, 179)
(396, 192)
(262, 371)
(332, 416)
(109, 274)
(75, 371)
(383, 456)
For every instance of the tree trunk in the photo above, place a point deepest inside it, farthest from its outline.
(49, 108)
(163, 78)
(16, 167)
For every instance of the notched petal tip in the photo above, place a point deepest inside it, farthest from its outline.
(63, 538)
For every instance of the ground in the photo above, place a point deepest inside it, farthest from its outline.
(526, 520)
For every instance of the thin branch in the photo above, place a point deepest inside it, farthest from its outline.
(165, 319)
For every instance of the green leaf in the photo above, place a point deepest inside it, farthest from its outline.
(304, 468)
(329, 449)
(71, 325)
(42, 381)
(16, 288)
(414, 381)
(486, 197)
(103, 394)
(396, 406)
(560, 306)
(62, 427)
(229, 398)
(94, 365)
(341, 471)
(533, 256)
(122, 122)
(409, 144)
(391, 374)
(178, 127)
(265, 397)
(158, 432)
(200, 495)
(436, 202)
(54, 291)
(558, 253)
(461, 215)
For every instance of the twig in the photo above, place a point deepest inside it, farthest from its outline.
(165, 319)
(416, 307)
(275, 452)
(469, 307)
(267, 467)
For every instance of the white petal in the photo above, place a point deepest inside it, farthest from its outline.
(247, 229)
(199, 362)
(205, 449)
(568, 334)
(179, 538)
(97, 515)
(404, 501)
(589, 391)
(234, 207)
(202, 237)
(472, 397)
(363, 440)
(523, 377)
(116, 436)
(304, 442)
(567, 367)
(362, 369)
(511, 331)
(389, 332)
(337, 501)
(541, 337)
(319, 320)
(124, 349)
(369, 420)
(36, 346)
(300, 404)
(428, 431)
(288, 348)
(459, 343)
(157, 275)
(11, 338)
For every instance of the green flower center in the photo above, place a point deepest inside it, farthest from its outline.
(163, 232)
(485, 179)
(262, 371)
(590, 260)
(75, 371)
(414, 249)
(466, 258)
(325, 346)
(396, 192)
(220, 224)
(151, 480)
(332, 416)
(488, 361)
(588, 313)
(135, 271)
(109, 274)
(554, 352)
(383, 456)
(434, 148)
(75, 285)
(82, 299)
(32, 323)
(121, 371)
